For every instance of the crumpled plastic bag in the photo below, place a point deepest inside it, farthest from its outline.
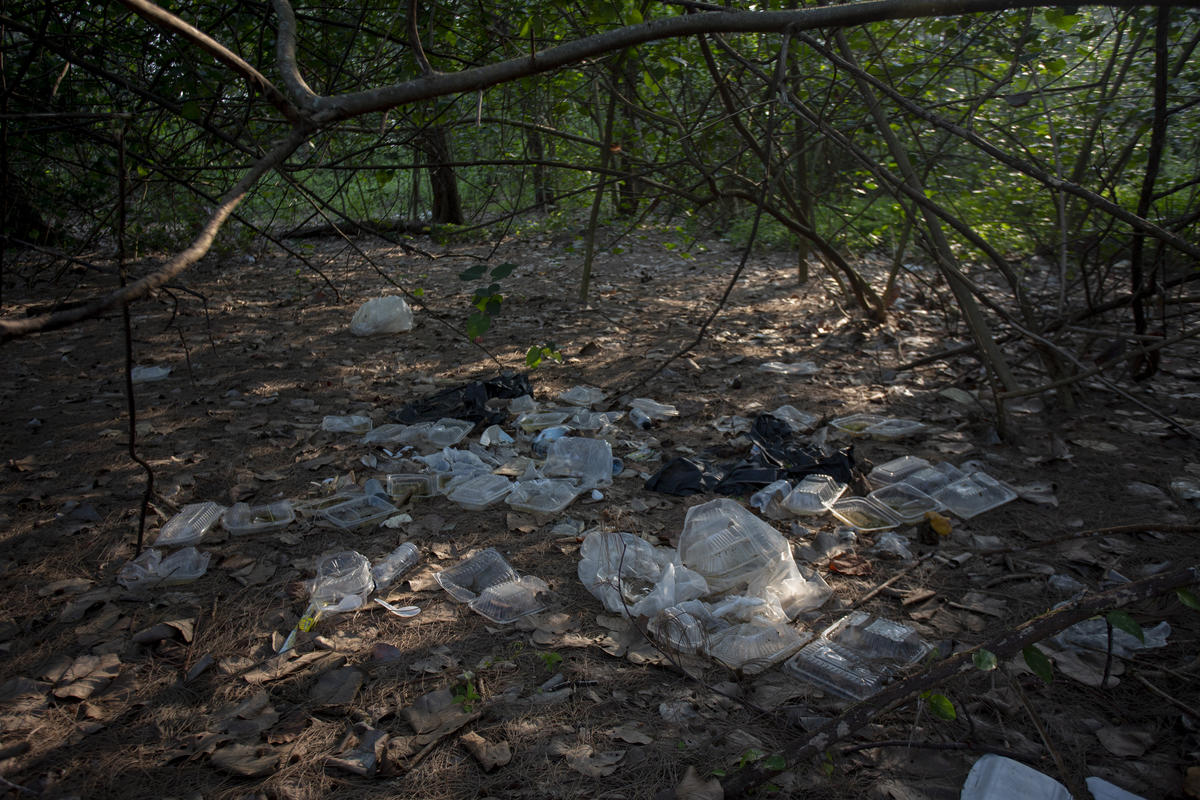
(151, 568)
(631, 576)
(382, 315)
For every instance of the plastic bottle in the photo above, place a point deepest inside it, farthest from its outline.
(640, 418)
(395, 564)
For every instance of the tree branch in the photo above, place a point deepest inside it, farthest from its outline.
(285, 57)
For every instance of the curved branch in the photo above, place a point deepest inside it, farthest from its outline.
(11, 328)
(356, 104)
(285, 56)
(173, 24)
(414, 40)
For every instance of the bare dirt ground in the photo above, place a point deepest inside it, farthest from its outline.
(98, 699)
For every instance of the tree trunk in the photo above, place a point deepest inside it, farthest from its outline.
(447, 207)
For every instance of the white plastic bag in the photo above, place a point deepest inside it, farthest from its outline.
(382, 315)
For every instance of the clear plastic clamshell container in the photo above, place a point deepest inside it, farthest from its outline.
(906, 502)
(727, 544)
(467, 579)
(359, 511)
(340, 575)
(856, 424)
(533, 421)
(189, 525)
(448, 432)
(933, 479)
(799, 421)
(654, 409)
(891, 429)
(813, 495)
(878, 639)
(897, 470)
(386, 434)
(864, 515)
(582, 396)
(479, 491)
(542, 496)
(241, 518)
(509, 601)
(317, 505)
(974, 494)
(403, 486)
(589, 461)
(834, 669)
(752, 648)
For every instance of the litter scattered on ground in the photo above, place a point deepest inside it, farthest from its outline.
(382, 315)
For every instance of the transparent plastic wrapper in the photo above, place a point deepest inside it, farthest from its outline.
(382, 315)
(359, 511)
(973, 495)
(585, 396)
(314, 506)
(799, 421)
(479, 491)
(878, 639)
(631, 576)
(540, 445)
(856, 424)
(834, 669)
(588, 461)
(653, 409)
(827, 544)
(452, 466)
(897, 470)
(353, 423)
(343, 582)
(493, 435)
(241, 518)
(385, 571)
(542, 496)
(893, 545)
(753, 647)
(813, 495)
(864, 515)
(522, 405)
(680, 630)
(796, 368)
(1092, 634)
(389, 433)
(769, 499)
(735, 550)
(892, 429)
(189, 525)
(436, 435)
(909, 504)
(466, 579)
(144, 374)
(152, 568)
(509, 601)
(585, 420)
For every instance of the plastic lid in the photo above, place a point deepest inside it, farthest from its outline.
(834, 669)
(897, 469)
(359, 510)
(480, 491)
(863, 514)
(856, 424)
(468, 578)
(906, 502)
(542, 496)
(974, 494)
(241, 518)
(511, 600)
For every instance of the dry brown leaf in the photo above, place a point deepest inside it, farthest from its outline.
(693, 788)
(1125, 743)
(586, 761)
(631, 732)
(1191, 784)
(488, 755)
(87, 675)
(246, 760)
(337, 687)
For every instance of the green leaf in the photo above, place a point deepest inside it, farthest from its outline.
(1122, 620)
(478, 324)
(191, 110)
(1188, 599)
(382, 176)
(503, 271)
(775, 762)
(1038, 662)
(941, 707)
(473, 273)
(985, 660)
(418, 292)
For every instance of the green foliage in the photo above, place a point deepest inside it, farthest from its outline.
(1122, 621)
(985, 660)
(1037, 661)
(465, 693)
(1188, 599)
(540, 353)
(940, 705)
(486, 300)
(550, 660)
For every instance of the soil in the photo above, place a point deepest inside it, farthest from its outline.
(98, 698)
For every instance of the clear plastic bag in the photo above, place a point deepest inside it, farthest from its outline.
(382, 315)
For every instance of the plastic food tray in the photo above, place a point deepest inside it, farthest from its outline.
(544, 496)
(974, 494)
(509, 601)
(359, 511)
(834, 669)
(856, 424)
(933, 479)
(479, 491)
(864, 515)
(814, 495)
(317, 505)
(402, 487)
(467, 579)
(533, 421)
(587, 460)
(189, 525)
(240, 518)
(905, 502)
(892, 429)
(897, 470)
(753, 648)
(878, 639)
